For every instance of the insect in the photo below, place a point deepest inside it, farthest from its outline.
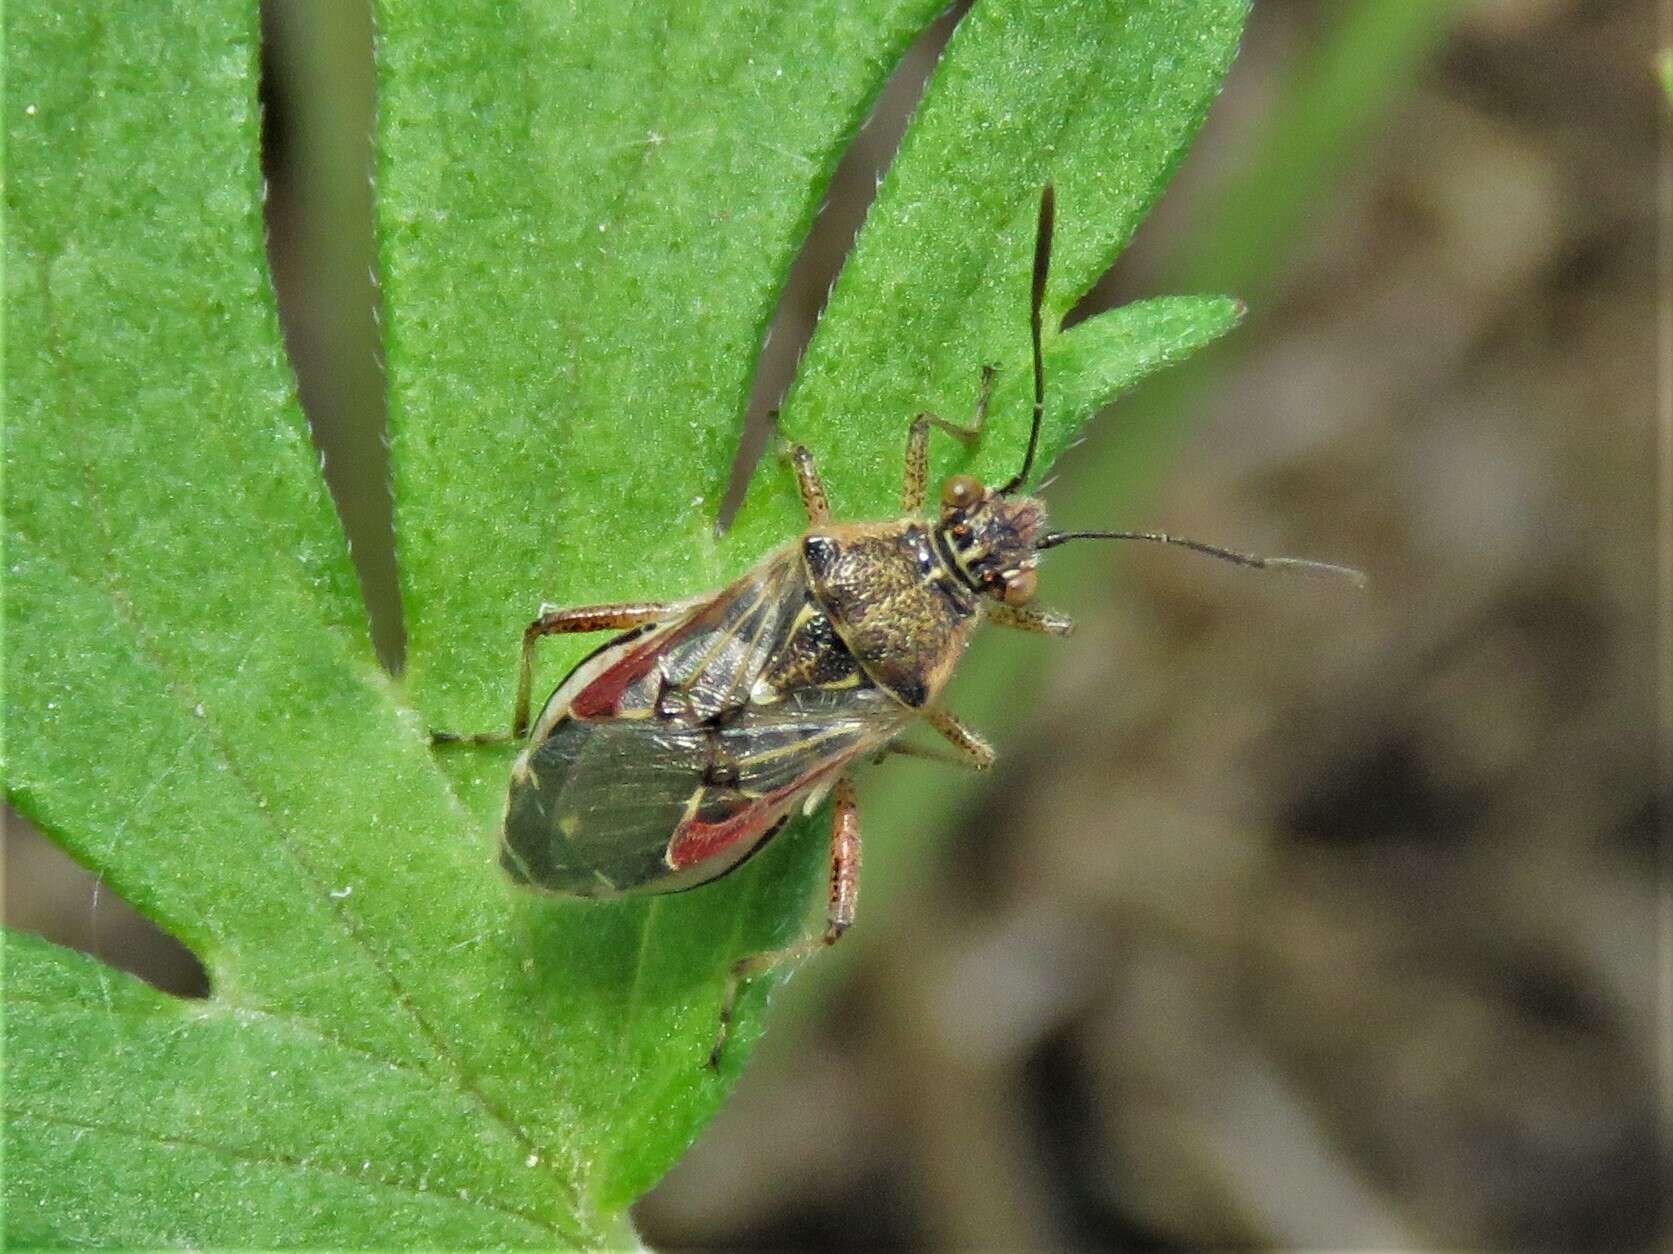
(677, 749)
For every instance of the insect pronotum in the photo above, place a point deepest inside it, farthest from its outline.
(674, 752)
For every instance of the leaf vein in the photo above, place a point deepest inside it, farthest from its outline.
(284, 1162)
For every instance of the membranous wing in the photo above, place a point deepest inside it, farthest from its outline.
(670, 756)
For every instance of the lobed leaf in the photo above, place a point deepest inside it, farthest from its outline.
(586, 214)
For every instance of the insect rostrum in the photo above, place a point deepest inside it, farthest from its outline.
(673, 752)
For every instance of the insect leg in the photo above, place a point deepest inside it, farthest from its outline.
(976, 752)
(582, 618)
(916, 488)
(811, 486)
(839, 913)
(1031, 618)
(902, 749)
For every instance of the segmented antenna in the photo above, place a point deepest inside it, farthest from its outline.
(1042, 266)
(1299, 565)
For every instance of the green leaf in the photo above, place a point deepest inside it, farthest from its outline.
(230, 1125)
(586, 215)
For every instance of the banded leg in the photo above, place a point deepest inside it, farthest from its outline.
(811, 486)
(554, 622)
(839, 912)
(916, 487)
(1030, 618)
(977, 753)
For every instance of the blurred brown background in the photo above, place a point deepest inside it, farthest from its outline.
(1289, 918)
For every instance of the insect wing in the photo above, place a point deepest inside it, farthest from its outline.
(660, 763)
(592, 806)
(776, 755)
(691, 666)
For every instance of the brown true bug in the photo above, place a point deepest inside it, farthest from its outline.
(675, 751)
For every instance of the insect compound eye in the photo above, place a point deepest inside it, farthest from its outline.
(1019, 588)
(961, 492)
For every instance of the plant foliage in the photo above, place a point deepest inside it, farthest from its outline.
(586, 216)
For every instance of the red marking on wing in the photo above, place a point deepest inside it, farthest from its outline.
(695, 842)
(602, 697)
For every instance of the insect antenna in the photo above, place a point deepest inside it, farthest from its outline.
(1042, 265)
(1300, 565)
